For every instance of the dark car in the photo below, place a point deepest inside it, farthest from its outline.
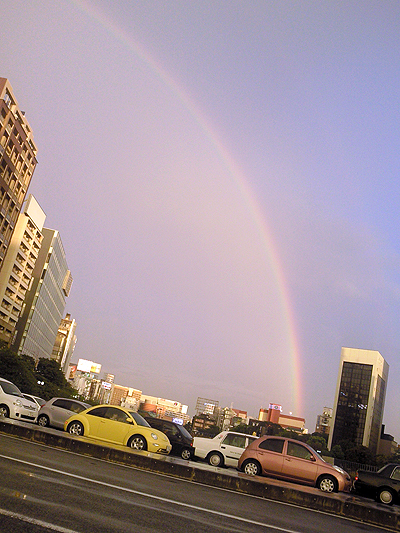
(179, 437)
(383, 486)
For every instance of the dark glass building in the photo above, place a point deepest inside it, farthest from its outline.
(360, 398)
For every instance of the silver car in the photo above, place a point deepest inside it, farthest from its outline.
(56, 411)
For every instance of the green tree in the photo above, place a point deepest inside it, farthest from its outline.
(360, 454)
(337, 452)
(244, 428)
(318, 443)
(18, 369)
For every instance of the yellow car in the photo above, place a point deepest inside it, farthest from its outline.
(119, 426)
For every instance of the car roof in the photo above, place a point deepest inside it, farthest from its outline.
(6, 380)
(63, 398)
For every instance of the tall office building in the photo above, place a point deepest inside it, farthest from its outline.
(360, 398)
(38, 324)
(18, 265)
(65, 343)
(17, 163)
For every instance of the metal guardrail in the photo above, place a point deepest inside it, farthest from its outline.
(351, 467)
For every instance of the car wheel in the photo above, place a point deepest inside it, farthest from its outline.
(327, 484)
(75, 428)
(252, 468)
(43, 421)
(186, 454)
(215, 459)
(4, 411)
(385, 496)
(137, 442)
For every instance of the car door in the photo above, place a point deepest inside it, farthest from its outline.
(113, 425)
(299, 463)
(270, 455)
(94, 417)
(60, 410)
(232, 447)
(395, 479)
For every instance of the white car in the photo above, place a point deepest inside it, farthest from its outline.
(36, 399)
(223, 450)
(13, 403)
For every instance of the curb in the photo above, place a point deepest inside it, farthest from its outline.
(346, 507)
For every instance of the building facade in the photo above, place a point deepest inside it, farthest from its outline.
(324, 421)
(65, 342)
(18, 265)
(17, 164)
(360, 398)
(44, 305)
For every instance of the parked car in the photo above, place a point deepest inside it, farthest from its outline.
(383, 485)
(56, 411)
(38, 401)
(224, 449)
(180, 439)
(292, 460)
(13, 404)
(119, 426)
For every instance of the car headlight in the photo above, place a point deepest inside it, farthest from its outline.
(154, 436)
(339, 469)
(18, 402)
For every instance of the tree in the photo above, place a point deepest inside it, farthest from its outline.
(318, 443)
(337, 452)
(18, 369)
(50, 371)
(45, 380)
(360, 454)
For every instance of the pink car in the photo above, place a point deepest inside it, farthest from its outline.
(292, 460)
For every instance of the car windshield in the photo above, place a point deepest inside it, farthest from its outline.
(10, 388)
(185, 432)
(140, 421)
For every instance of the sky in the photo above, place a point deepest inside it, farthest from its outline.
(224, 178)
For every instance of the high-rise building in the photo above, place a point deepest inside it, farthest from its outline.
(44, 304)
(17, 163)
(65, 343)
(18, 265)
(324, 421)
(360, 398)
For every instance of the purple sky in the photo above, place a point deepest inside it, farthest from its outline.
(224, 177)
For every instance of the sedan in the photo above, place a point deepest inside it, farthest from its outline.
(224, 449)
(119, 426)
(291, 460)
(383, 486)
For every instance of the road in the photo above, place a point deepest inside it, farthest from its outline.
(49, 490)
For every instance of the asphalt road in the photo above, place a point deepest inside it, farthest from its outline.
(45, 490)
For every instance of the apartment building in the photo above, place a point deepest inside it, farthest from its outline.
(18, 265)
(17, 164)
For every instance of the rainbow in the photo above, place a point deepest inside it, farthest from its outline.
(238, 179)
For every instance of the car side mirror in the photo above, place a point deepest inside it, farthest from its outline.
(129, 421)
(312, 458)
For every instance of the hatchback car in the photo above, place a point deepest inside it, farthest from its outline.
(292, 460)
(224, 449)
(119, 426)
(13, 404)
(56, 411)
(180, 439)
(383, 485)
